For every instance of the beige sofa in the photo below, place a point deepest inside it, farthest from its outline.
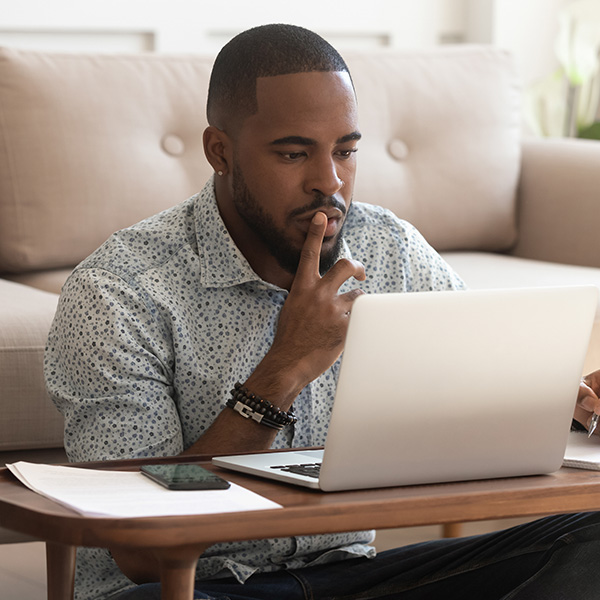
(90, 144)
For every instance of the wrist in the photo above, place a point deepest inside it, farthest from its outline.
(252, 406)
(278, 382)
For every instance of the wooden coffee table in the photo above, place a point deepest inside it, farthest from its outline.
(178, 540)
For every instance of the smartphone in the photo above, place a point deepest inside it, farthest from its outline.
(185, 476)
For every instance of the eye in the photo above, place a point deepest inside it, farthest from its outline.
(345, 154)
(292, 156)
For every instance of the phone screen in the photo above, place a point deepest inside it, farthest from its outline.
(185, 476)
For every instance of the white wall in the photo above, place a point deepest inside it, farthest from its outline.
(204, 25)
(526, 27)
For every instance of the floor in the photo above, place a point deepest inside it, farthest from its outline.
(23, 566)
(23, 571)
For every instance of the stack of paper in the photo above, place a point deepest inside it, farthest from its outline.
(130, 494)
(582, 452)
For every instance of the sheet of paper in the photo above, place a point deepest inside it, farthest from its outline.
(130, 494)
(582, 452)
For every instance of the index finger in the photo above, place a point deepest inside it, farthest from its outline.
(587, 398)
(310, 257)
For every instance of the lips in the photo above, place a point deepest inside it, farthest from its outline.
(332, 227)
(334, 221)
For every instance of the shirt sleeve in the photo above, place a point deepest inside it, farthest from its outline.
(109, 370)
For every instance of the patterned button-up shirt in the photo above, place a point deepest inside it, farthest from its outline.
(154, 329)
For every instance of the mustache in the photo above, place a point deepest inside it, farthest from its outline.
(320, 201)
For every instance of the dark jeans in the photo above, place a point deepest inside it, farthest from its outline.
(556, 558)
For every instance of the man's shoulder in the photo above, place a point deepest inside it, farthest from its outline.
(372, 219)
(365, 211)
(147, 244)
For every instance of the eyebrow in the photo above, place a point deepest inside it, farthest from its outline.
(298, 140)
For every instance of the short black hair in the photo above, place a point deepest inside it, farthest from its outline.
(264, 51)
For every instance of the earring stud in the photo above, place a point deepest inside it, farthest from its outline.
(220, 173)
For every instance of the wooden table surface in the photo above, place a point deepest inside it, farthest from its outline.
(304, 512)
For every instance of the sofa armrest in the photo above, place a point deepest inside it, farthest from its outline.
(559, 202)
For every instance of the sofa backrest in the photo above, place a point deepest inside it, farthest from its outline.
(90, 144)
(93, 143)
(441, 145)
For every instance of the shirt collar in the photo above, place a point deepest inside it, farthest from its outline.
(223, 264)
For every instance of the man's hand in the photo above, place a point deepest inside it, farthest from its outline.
(312, 325)
(588, 401)
(310, 337)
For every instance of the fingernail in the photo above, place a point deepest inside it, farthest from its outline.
(588, 404)
(318, 218)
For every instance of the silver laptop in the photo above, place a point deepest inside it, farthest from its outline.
(447, 386)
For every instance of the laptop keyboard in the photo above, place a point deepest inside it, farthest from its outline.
(308, 469)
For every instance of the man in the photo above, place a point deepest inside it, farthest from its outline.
(251, 282)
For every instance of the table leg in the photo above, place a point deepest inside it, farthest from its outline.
(177, 572)
(451, 530)
(60, 571)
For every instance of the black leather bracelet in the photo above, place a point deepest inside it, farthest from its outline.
(252, 406)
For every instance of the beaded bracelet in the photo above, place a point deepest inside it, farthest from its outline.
(252, 406)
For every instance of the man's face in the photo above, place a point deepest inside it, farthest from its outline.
(295, 156)
(275, 238)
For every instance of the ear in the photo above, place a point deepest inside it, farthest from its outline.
(218, 149)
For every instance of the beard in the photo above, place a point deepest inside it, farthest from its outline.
(274, 238)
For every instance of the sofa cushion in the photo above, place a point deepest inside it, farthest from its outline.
(441, 142)
(90, 144)
(482, 270)
(28, 418)
(50, 280)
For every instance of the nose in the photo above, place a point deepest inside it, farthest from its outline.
(323, 177)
